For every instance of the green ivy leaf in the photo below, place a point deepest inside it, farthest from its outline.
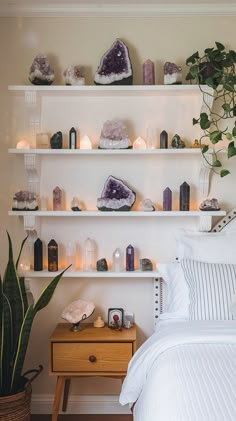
(228, 136)
(205, 149)
(223, 173)
(189, 76)
(234, 110)
(219, 46)
(232, 55)
(231, 150)
(192, 59)
(195, 121)
(228, 86)
(217, 163)
(215, 136)
(226, 107)
(234, 131)
(204, 121)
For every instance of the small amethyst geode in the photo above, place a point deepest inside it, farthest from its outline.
(114, 135)
(116, 196)
(115, 66)
(41, 72)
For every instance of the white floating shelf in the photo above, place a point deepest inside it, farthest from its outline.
(94, 274)
(114, 214)
(130, 90)
(128, 152)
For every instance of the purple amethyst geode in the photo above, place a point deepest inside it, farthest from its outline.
(115, 66)
(116, 196)
(41, 72)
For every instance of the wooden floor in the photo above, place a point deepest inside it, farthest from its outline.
(83, 418)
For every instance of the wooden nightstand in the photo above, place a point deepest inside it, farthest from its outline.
(89, 352)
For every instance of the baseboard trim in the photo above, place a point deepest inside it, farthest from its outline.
(83, 404)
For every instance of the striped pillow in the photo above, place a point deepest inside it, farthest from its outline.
(211, 289)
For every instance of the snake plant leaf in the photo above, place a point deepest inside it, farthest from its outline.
(23, 292)
(21, 349)
(21, 248)
(12, 290)
(7, 346)
(46, 295)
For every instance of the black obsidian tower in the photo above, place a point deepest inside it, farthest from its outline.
(38, 255)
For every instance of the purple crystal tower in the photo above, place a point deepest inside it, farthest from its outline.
(130, 258)
(167, 199)
(57, 199)
(184, 197)
(148, 73)
(164, 140)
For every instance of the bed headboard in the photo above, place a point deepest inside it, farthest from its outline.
(228, 222)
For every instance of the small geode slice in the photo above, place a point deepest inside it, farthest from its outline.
(41, 72)
(116, 196)
(115, 66)
(172, 74)
(114, 135)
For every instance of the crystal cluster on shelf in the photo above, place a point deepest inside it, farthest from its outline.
(147, 205)
(116, 196)
(114, 135)
(172, 74)
(177, 142)
(209, 205)
(76, 311)
(145, 264)
(115, 66)
(41, 72)
(74, 75)
(25, 201)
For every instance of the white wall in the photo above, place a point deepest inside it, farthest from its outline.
(83, 41)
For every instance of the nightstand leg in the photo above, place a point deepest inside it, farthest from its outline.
(66, 394)
(57, 398)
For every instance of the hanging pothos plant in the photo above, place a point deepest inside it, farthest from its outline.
(216, 69)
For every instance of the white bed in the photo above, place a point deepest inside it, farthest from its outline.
(186, 371)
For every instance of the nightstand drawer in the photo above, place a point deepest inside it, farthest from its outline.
(85, 357)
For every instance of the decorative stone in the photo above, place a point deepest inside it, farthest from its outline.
(115, 66)
(24, 200)
(145, 264)
(75, 205)
(77, 311)
(184, 197)
(57, 199)
(23, 144)
(56, 140)
(74, 75)
(209, 205)
(102, 265)
(151, 138)
(164, 140)
(116, 196)
(52, 256)
(167, 199)
(114, 135)
(99, 322)
(172, 74)
(89, 252)
(117, 260)
(85, 143)
(177, 142)
(41, 72)
(148, 73)
(130, 258)
(42, 140)
(147, 205)
(38, 255)
(139, 143)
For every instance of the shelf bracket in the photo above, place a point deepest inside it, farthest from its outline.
(204, 177)
(32, 226)
(32, 167)
(205, 223)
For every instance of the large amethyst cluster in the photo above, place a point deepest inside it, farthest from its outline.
(115, 66)
(116, 196)
(24, 201)
(114, 135)
(41, 72)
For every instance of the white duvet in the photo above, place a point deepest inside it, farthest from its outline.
(186, 371)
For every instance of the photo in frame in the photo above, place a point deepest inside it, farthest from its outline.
(115, 318)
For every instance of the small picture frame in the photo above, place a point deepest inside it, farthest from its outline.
(115, 318)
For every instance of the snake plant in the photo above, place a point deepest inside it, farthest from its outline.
(16, 318)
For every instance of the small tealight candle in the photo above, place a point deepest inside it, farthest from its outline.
(139, 143)
(85, 143)
(22, 144)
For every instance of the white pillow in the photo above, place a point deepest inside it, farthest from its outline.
(211, 289)
(217, 247)
(177, 305)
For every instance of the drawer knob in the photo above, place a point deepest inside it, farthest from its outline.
(92, 358)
